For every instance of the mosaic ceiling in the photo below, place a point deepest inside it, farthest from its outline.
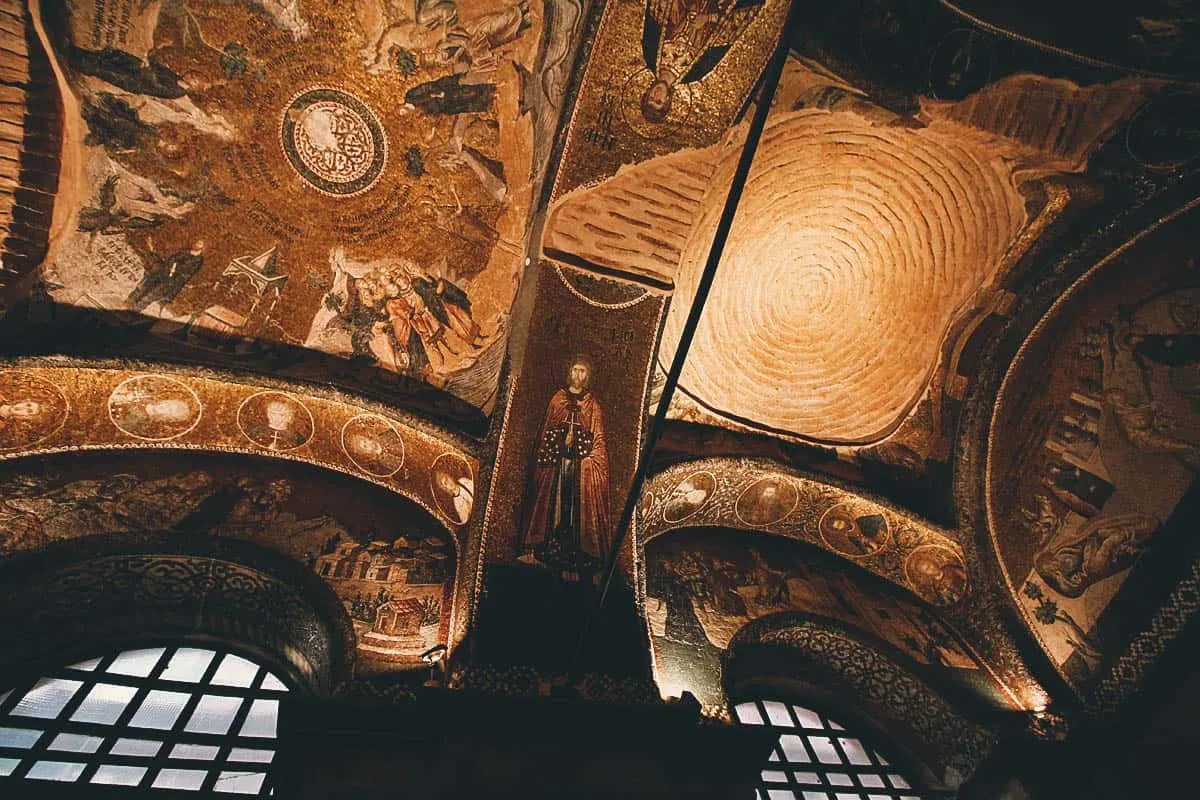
(943, 377)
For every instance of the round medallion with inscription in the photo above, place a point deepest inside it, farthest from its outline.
(333, 140)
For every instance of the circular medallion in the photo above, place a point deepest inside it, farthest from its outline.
(154, 408)
(333, 140)
(767, 501)
(453, 487)
(275, 421)
(373, 444)
(937, 574)
(854, 530)
(689, 496)
(1165, 134)
(30, 410)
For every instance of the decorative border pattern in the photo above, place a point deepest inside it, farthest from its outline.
(883, 686)
(726, 506)
(1130, 670)
(88, 427)
(163, 585)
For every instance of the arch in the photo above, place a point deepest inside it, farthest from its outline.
(1087, 469)
(89, 407)
(391, 566)
(667, 505)
(860, 684)
(704, 585)
(765, 496)
(73, 599)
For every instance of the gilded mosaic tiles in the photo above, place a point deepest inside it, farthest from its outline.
(47, 409)
(743, 494)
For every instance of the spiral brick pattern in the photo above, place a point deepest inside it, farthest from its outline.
(853, 249)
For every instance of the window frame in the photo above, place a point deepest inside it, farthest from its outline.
(885, 759)
(13, 691)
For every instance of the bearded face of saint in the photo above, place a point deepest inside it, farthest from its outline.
(578, 377)
(22, 409)
(656, 101)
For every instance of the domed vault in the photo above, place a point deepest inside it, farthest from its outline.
(618, 350)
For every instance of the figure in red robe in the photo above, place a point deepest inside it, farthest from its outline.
(570, 525)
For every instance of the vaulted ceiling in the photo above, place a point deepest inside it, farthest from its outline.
(941, 397)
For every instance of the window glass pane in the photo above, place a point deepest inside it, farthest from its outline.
(104, 704)
(136, 663)
(240, 782)
(772, 776)
(47, 699)
(87, 666)
(235, 671)
(260, 723)
(810, 778)
(780, 794)
(136, 747)
(252, 756)
(854, 751)
(747, 714)
(808, 719)
(823, 748)
(214, 714)
(7, 765)
(793, 749)
(898, 782)
(196, 751)
(119, 776)
(55, 771)
(188, 665)
(76, 743)
(839, 779)
(179, 779)
(778, 715)
(815, 796)
(871, 781)
(19, 737)
(273, 684)
(159, 710)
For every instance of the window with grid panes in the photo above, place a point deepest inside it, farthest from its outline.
(815, 758)
(182, 718)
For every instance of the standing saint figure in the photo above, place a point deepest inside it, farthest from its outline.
(570, 526)
(684, 40)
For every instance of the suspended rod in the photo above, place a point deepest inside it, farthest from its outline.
(766, 95)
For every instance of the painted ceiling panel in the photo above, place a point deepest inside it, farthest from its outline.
(347, 178)
(860, 238)
(1095, 440)
(391, 565)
